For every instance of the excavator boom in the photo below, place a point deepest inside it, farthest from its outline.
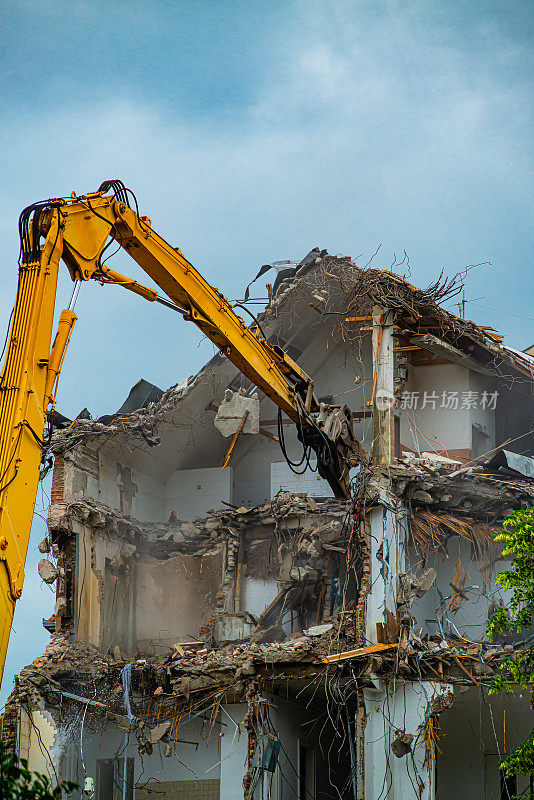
(78, 230)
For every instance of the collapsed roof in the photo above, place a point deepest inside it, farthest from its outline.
(303, 295)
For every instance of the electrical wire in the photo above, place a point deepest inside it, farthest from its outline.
(305, 458)
(249, 312)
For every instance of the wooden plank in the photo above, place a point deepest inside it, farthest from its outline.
(465, 671)
(361, 651)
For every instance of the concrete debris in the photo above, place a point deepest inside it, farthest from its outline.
(318, 630)
(480, 494)
(48, 571)
(70, 667)
(158, 732)
(60, 606)
(269, 635)
(402, 743)
(412, 586)
(44, 545)
(232, 410)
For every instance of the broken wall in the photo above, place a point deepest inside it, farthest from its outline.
(196, 769)
(174, 599)
(463, 593)
(97, 474)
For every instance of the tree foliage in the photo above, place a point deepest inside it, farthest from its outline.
(18, 783)
(518, 669)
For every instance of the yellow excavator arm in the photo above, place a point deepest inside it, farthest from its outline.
(77, 230)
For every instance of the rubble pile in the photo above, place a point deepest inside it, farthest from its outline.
(61, 660)
(162, 539)
(286, 514)
(197, 670)
(465, 492)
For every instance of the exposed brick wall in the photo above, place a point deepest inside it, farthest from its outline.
(58, 480)
(8, 728)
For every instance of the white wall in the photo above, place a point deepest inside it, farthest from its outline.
(191, 492)
(451, 427)
(475, 731)
(310, 482)
(472, 617)
(403, 707)
(387, 559)
(188, 492)
(188, 762)
(258, 593)
(36, 742)
(483, 417)
(234, 750)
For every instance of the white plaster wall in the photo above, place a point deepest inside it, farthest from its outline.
(476, 731)
(471, 619)
(485, 417)
(309, 482)
(40, 748)
(258, 593)
(108, 482)
(388, 710)
(252, 469)
(451, 427)
(234, 750)
(146, 502)
(192, 492)
(189, 763)
(387, 558)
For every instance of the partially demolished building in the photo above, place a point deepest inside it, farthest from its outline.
(225, 628)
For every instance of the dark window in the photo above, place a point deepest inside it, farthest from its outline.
(110, 779)
(397, 441)
(508, 787)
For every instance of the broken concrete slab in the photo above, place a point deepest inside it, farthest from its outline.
(47, 570)
(269, 635)
(158, 732)
(412, 586)
(232, 410)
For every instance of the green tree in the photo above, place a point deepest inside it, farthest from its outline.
(518, 669)
(18, 783)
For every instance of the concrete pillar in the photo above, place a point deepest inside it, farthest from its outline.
(387, 560)
(389, 709)
(383, 387)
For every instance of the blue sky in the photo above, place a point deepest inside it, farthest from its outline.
(254, 131)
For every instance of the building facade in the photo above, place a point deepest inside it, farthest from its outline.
(224, 627)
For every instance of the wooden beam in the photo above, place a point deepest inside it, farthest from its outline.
(360, 651)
